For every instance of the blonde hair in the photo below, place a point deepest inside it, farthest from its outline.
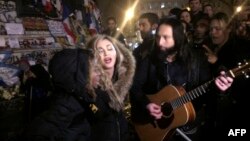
(106, 83)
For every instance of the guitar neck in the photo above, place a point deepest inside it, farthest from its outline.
(195, 93)
(191, 95)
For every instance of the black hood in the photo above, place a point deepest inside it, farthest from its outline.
(69, 70)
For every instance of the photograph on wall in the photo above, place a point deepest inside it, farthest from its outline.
(2, 18)
(11, 16)
(13, 42)
(14, 28)
(56, 28)
(3, 6)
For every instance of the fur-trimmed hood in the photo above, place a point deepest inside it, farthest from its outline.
(125, 74)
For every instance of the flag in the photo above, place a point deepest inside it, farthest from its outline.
(48, 6)
(66, 13)
(92, 16)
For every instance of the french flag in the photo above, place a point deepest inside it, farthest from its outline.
(66, 13)
(92, 17)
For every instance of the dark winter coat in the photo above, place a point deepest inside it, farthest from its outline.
(230, 106)
(65, 120)
(70, 117)
(153, 74)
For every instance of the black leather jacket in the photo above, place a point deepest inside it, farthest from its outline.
(153, 74)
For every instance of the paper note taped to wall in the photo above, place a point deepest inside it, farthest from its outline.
(2, 42)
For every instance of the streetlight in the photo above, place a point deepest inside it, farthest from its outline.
(129, 14)
(238, 9)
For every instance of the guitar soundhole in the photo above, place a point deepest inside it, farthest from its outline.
(168, 116)
(166, 109)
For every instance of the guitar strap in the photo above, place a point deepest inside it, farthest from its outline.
(193, 73)
(166, 72)
(164, 76)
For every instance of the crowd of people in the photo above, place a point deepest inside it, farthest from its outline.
(179, 53)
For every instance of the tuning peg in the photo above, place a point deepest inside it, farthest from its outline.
(245, 62)
(246, 76)
(239, 63)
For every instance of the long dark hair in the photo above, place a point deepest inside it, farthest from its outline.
(181, 43)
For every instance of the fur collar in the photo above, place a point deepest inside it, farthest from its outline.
(125, 75)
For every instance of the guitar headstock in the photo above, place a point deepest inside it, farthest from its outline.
(242, 69)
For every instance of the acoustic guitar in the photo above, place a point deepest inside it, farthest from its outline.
(176, 107)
